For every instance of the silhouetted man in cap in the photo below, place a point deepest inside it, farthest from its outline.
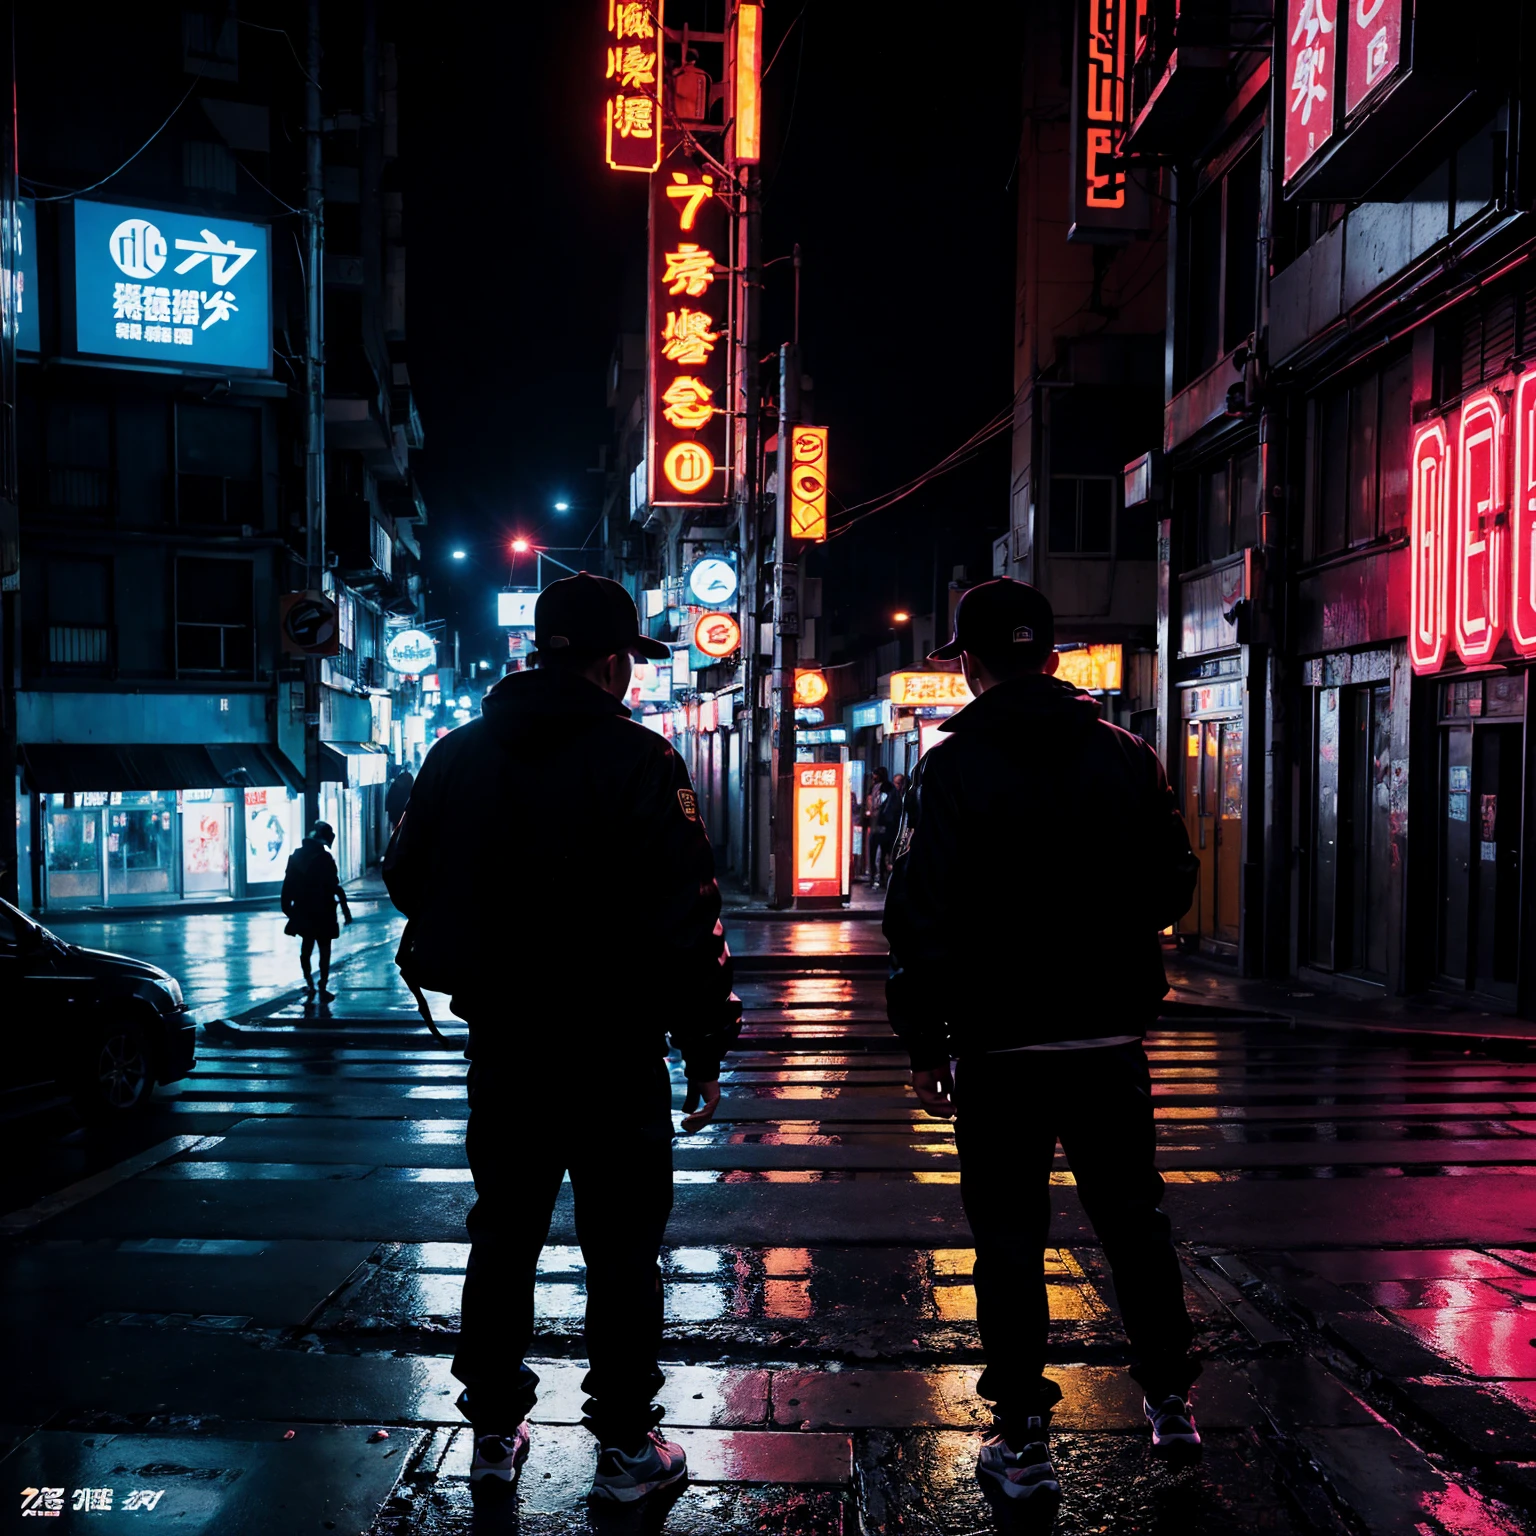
(1022, 987)
(559, 884)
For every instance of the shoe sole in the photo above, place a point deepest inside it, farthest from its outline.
(495, 1475)
(608, 1494)
(1176, 1445)
(1019, 1491)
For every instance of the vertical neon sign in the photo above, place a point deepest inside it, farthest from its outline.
(1428, 531)
(632, 126)
(1522, 518)
(1480, 529)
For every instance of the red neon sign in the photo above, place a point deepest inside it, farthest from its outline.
(1429, 517)
(1479, 564)
(1311, 62)
(632, 125)
(1522, 517)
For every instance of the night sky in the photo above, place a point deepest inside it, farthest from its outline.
(891, 164)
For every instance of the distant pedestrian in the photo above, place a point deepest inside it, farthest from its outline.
(311, 893)
(887, 818)
(554, 951)
(398, 797)
(1021, 988)
(879, 784)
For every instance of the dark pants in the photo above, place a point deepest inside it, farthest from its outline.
(306, 949)
(610, 1127)
(1011, 1108)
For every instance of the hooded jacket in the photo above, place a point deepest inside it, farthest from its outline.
(1040, 852)
(560, 885)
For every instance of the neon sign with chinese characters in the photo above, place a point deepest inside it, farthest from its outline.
(821, 829)
(910, 690)
(1311, 63)
(633, 57)
(1472, 530)
(690, 338)
(1108, 204)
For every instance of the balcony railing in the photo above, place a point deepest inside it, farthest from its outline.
(80, 645)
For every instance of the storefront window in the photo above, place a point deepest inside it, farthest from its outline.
(141, 852)
(205, 861)
(74, 855)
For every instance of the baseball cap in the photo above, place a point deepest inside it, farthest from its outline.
(593, 615)
(994, 617)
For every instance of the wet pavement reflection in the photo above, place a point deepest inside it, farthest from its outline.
(1356, 1231)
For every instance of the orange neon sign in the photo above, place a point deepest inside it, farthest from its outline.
(690, 194)
(689, 467)
(631, 118)
(1105, 198)
(921, 690)
(1098, 668)
(686, 402)
(717, 635)
(808, 483)
(821, 828)
(810, 688)
(748, 78)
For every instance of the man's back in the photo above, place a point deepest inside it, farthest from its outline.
(1041, 851)
(551, 855)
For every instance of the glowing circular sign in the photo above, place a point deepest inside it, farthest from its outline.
(689, 467)
(712, 581)
(810, 688)
(717, 634)
(412, 651)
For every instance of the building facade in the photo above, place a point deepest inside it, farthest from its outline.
(161, 457)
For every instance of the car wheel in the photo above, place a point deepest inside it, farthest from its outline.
(118, 1078)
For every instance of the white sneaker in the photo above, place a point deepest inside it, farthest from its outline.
(625, 1478)
(1173, 1426)
(499, 1457)
(1026, 1473)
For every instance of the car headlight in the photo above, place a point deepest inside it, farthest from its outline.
(173, 989)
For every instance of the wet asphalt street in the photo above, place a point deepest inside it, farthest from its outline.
(229, 1302)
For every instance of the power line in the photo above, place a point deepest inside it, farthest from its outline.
(81, 191)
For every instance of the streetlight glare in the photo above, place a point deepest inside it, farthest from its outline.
(461, 554)
(520, 546)
(562, 506)
(900, 616)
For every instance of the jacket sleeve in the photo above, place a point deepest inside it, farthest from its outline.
(920, 912)
(1172, 865)
(708, 1012)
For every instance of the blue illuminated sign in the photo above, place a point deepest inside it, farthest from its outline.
(29, 336)
(185, 290)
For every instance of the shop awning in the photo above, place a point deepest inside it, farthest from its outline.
(353, 762)
(52, 768)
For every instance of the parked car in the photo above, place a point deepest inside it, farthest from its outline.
(104, 1027)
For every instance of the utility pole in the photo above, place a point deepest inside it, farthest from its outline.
(786, 645)
(314, 405)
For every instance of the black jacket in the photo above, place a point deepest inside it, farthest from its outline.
(559, 882)
(1040, 853)
(311, 889)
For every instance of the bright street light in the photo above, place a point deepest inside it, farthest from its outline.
(562, 506)
(461, 554)
(900, 616)
(520, 546)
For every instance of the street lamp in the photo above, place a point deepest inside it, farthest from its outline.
(461, 554)
(520, 546)
(901, 616)
(562, 506)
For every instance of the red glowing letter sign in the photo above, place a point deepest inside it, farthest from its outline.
(1374, 49)
(633, 52)
(1480, 531)
(1429, 529)
(1522, 517)
(1108, 203)
(1311, 60)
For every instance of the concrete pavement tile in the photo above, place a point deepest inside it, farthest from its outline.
(1482, 1420)
(695, 1396)
(1464, 1295)
(1301, 1393)
(1523, 1258)
(245, 1480)
(275, 1282)
(1402, 1264)
(1482, 1343)
(568, 1453)
(1388, 1349)
(1389, 1484)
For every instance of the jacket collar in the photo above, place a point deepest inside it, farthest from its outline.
(1034, 698)
(537, 692)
